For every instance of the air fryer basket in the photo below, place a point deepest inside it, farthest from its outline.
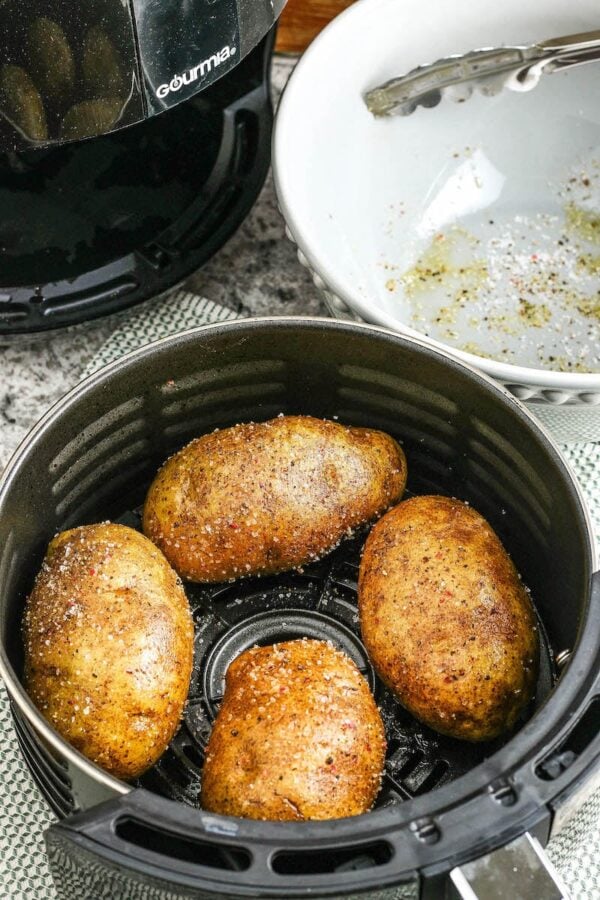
(92, 458)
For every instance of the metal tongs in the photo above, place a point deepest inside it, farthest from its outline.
(489, 70)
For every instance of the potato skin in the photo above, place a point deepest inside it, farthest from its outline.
(445, 619)
(264, 498)
(108, 646)
(298, 736)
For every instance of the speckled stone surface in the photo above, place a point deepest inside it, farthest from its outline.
(256, 272)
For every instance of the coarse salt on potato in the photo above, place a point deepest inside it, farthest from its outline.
(446, 620)
(108, 641)
(258, 499)
(298, 736)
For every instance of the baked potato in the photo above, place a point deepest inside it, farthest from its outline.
(51, 59)
(21, 103)
(447, 622)
(101, 66)
(264, 498)
(298, 736)
(108, 646)
(90, 117)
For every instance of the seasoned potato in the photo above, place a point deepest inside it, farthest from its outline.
(263, 498)
(446, 620)
(101, 65)
(108, 646)
(51, 59)
(21, 103)
(298, 736)
(90, 117)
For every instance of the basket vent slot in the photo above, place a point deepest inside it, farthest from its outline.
(49, 773)
(332, 859)
(12, 312)
(185, 848)
(91, 296)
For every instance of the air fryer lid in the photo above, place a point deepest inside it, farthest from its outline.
(75, 70)
(93, 227)
(93, 456)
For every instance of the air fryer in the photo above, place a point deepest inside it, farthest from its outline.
(444, 803)
(134, 138)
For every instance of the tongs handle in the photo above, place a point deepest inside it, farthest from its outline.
(570, 51)
(518, 68)
(572, 42)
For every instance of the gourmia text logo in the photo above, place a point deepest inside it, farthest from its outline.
(207, 65)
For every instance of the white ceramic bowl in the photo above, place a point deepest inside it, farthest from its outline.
(364, 198)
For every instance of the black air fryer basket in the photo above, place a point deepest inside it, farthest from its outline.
(445, 805)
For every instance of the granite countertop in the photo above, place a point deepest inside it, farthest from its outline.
(257, 272)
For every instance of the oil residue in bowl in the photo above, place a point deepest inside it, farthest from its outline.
(446, 264)
(518, 288)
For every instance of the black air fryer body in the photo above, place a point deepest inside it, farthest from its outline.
(443, 802)
(134, 138)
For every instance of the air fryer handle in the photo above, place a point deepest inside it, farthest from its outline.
(519, 869)
(89, 858)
